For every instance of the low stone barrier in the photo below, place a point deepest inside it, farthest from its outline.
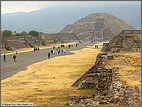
(107, 86)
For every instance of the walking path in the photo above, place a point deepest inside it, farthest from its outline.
(27, 58)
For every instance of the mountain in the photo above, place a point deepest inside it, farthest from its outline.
(97, 26)
(54, 19)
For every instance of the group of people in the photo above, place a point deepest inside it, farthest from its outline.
(37, 48)
(14, 56)
(57, 50)
(60, 49)
(96, 46)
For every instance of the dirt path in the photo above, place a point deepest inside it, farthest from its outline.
(26, 58)
(49, 82)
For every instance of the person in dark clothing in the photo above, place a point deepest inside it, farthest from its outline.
(53, 47)
(51, 51)
(48, 55)
(16, 51)
(58, 51)
(62, 51)
(34, 49)
(38, 49)
(69, 46)
(77, 45)
(14, 57)
(4, 56)
(96, 47)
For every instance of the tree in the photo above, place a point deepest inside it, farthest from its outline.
(33, 33)
(23, 33)
(7, 33)
(40, 33)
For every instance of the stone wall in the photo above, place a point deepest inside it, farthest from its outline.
(127, 40)
(17, 42)
(107, 86)
(28, 41)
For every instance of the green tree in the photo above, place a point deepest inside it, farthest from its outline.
(7, 33)
(23, 33)
(33, 33)
(41, 33)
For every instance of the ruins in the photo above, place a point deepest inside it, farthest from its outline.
(28, 41)
(106, 82)
(97, 26)
(127, 40)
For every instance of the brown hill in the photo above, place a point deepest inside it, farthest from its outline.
(97, 26)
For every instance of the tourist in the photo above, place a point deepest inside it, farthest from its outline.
(96, 46)
(72, 46)
(34, 49)
(16, 51)
(38, 49)
(51, 51)
(62, 51)
(4, 56)
(48, 55)
(14, 57)
(58, 51)
(77, 45)
(53, 47)
(69, 46)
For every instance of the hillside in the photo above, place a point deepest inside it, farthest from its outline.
(53, 20)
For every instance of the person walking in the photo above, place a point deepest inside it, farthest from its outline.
(51, 51)
(4, 57)
(38, 49)
(53, 47)
(16, 51)
(14, 57)
(58, 51)
(34, 49)
(62, 51)
(48, 55)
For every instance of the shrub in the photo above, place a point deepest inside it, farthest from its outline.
(34, 33)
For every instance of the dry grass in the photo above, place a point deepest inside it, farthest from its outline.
(49, 82)
(129, 68)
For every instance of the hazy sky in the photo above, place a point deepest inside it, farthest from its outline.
(27, 6)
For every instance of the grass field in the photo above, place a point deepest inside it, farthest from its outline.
(49, 82)
(129, 68)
